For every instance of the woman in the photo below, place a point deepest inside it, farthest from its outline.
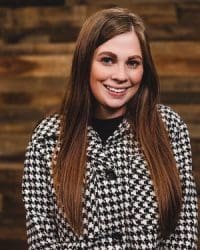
(112, 169)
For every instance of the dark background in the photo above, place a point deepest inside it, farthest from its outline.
(36, 44)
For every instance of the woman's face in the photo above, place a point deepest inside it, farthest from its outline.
(116, 74)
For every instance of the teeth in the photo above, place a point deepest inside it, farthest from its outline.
(115, 90)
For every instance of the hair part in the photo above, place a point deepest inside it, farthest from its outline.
(78, 108)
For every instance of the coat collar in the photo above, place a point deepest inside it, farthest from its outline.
(96, 150)
(122, 130)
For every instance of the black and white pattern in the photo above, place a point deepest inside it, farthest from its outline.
(120, 208)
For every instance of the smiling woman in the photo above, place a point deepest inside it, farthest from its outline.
(112, 169)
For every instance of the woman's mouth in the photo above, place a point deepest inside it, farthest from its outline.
(116, 90)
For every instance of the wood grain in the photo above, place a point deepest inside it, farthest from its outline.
(14, 145)
(188, 12)
(34, 85)
(152, 13)
(189, 112)
(180, 98)
(11, 174)
(179, 84)
(1, 203)
(22, 3)
(169, 59)
(36, 49)
(12, 232)
(177, 58)
(30, 18)
(39, 66)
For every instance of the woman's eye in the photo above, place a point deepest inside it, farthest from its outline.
(107, 60)
(133, 63)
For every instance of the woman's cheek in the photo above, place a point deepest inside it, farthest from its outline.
(137, 76)
(99, 72)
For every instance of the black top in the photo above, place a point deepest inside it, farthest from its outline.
(106, 127)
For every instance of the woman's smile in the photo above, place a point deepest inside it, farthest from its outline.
(116, 91)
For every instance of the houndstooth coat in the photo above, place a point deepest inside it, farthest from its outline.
(120, 209)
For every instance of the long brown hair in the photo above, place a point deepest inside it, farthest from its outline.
(77, 110)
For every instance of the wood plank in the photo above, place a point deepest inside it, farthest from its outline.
(175, 32)
(17, 127)
(1, 203)
(22, 3)
(36, 48)
(23, 99)
(68, 33)
(11, 175)
(47, 65)
(32, 18)
(194, 130)
(12, 232)
(188, 11)
(37, 24)
(14, 145)
(179, 50)
(197, 180)
(14, 115)
(27, 18)
(13, 166)
(178, 84)
(24, 114)
(195, 162)
(151, 12)
(195, 143)
(41, 24)
(180, 98)
(169, 59)
(171, 48)
(34, 85)
(7, 244)
(64, 32)
(13, 207)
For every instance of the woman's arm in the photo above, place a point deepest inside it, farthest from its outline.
(185, 236)
(38, 200)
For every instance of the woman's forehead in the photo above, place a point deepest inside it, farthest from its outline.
(125, 43)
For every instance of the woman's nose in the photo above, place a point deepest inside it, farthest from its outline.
(120, 75)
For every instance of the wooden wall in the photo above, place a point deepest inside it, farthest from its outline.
(36, 45)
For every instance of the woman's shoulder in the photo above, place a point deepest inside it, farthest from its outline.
(168, 114)
(47, 127)
(171, 118)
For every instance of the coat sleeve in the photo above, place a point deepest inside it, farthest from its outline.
(38, 200)
(186, 233)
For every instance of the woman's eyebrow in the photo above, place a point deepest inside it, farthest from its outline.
(135, 57)
(107, 53)
(115, 56)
